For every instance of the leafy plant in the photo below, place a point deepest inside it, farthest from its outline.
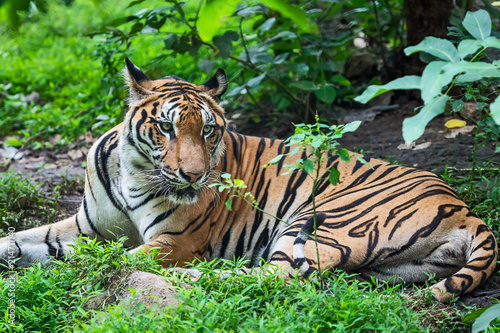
(281, 63)
(225, 300)
(317, 143)
(51, 298)
(455, 66)
(24, 204)
(483, 317)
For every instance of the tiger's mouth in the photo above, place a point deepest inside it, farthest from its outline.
(184, 196)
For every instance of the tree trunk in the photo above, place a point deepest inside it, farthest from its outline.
(425, 18)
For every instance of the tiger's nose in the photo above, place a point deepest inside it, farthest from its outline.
(191, 177)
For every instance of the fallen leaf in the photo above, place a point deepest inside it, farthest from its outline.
(462, 130)
(455, 123)
(414, 146)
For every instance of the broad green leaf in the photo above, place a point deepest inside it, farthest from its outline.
(434, 79)
(308, 166)
(326, 94)
(468, 47)
(268, 24)
(253, 82)
(478, 24)
(334, 176)
(12, 142)
(296, 138)
(303, 21)
(342, 80)
(211, 15)
(472, 71)
(486, 318)
(249, 11)
(414, 127)
(491, 42)
(226, 175)
(352, 126)
(495, 110)
(402, 83)
(344, 155)
(316, 143)
(305, 85)
(440, 48)
(225, 42)
(228, 205)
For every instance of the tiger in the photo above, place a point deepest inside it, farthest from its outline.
(150, 179)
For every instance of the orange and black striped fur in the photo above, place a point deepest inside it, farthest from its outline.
(148, 179)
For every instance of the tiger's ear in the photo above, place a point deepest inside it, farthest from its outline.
(217, 85)
(139, 84)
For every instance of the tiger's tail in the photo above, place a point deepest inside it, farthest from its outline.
(481, 262)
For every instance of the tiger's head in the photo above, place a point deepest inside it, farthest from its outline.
(173, 133)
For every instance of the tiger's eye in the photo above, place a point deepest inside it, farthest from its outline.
(207, 129)
(166, 127)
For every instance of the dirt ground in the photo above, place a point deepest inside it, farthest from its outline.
(379, 136)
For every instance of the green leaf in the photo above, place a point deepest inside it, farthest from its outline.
(342, 80)
(344, 155)
(294, 151)
(226, 175)
(296, 138)
(12, 142)
(212, 13)
(472, 71)
(440, 48)
(486, 318)
(225, 42)
(362, 160)
(228, 205)
(458, 105)
(326, 94)
(434, 79)
(267, 25)
(478, 24)
(334, 176)
(468, 47)
(305, 85)
(249, 11)
(414, 127)
(274, 160)
(303, 21)
(495, 110)
(491, 42)
(351, 127)
(402, 83)
(255, 81)
(308, 166)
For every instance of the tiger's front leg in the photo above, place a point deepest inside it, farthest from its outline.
(28, 247)
(171, 251)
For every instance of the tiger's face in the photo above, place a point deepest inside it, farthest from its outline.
(174, 133)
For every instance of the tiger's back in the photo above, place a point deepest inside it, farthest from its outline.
(149, 179)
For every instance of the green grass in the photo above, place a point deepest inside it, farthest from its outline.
(482, 194)
(267, 303)
(50, 299)
(55, 299)
(24, 204)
